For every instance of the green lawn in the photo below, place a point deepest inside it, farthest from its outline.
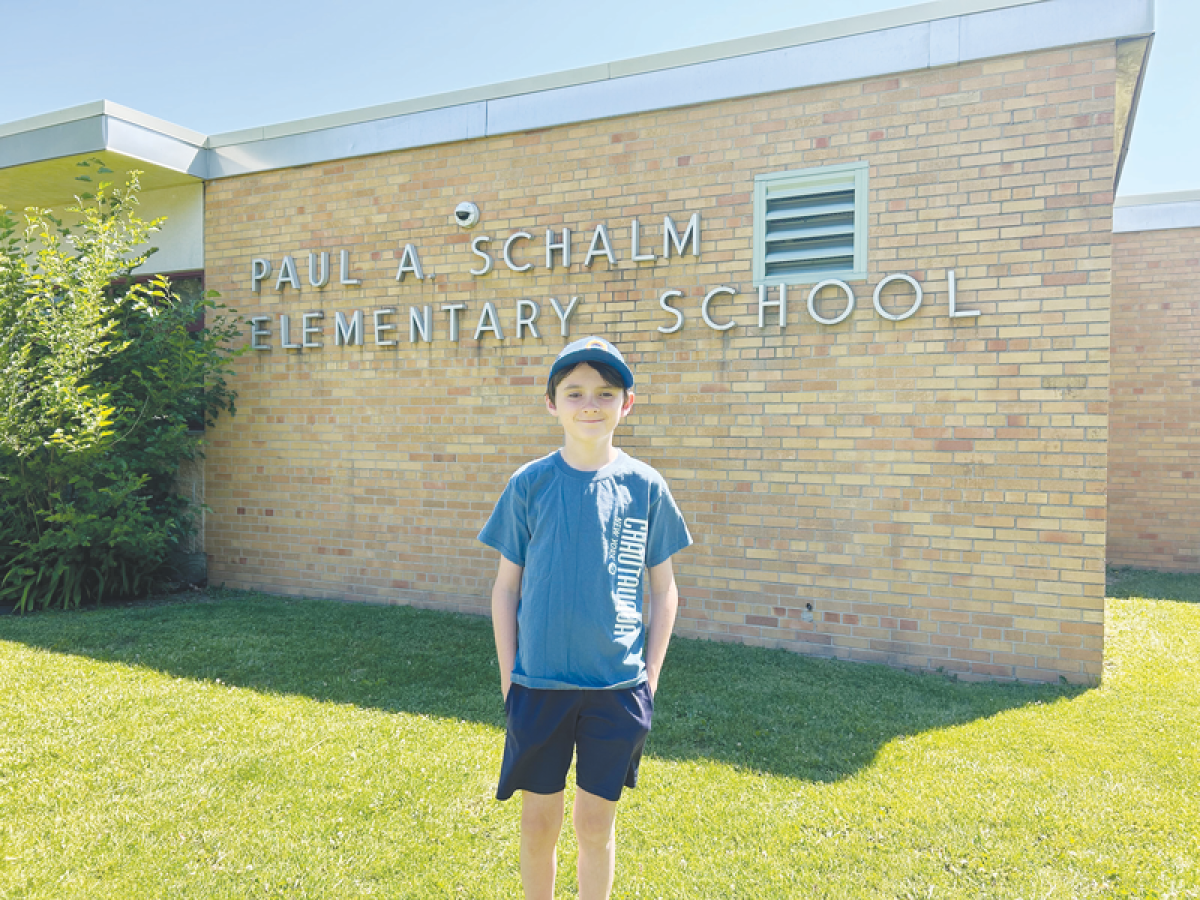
(250, 746)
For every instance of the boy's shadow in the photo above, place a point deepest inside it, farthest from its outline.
(767, 710)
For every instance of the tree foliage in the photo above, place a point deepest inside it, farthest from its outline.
(104, 383)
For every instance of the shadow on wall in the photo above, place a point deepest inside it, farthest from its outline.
(765, 710)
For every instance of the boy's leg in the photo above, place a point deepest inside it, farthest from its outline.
(596, 830)
(541, 822)
(612, 732)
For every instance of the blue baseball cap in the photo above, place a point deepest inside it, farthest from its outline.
(592, 349)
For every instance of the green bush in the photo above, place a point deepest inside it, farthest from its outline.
(105, 383)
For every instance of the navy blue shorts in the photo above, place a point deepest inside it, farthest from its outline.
(605, 729)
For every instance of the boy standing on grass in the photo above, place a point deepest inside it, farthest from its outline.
(577, 532)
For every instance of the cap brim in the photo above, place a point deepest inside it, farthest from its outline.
(593, 354)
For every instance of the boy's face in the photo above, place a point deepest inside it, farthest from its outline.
(588, 408)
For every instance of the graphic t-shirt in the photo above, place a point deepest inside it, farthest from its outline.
(585, 540)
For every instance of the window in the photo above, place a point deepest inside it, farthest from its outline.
(811, 224)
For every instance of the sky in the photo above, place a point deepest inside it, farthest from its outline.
(225, 65)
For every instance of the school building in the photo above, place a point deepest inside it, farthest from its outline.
(912, 377)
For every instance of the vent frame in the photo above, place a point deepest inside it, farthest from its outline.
(811, 224)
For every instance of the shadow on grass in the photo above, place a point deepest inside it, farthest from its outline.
(766, 710)
(1173, 586)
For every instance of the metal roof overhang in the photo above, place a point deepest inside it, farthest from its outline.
(36, 155)
(39, 157)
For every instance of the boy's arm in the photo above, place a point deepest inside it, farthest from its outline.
(506, 594)
(664, 602)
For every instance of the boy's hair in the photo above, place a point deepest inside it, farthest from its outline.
(608, 373)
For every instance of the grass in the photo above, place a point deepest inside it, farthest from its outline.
(246, 746)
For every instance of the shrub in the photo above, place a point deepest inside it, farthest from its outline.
(104, 381)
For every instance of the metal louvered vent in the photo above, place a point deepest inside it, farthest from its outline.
(810, 225)
(810, 234)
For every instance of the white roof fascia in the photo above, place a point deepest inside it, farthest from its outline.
(153, 123)
(672, 59)
(839, 59)
(908, 39)
(52, 140)
(1058, 23)
(1157, 212)
(99, 127)
(152, 146)
(50, 119)
(419, 129)
(912, 38)
(811, 34)
(415, 105)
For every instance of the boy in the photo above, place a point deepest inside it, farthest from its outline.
(577, 532)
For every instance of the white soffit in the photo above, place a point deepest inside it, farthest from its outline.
(1157, 212)
(38, 156)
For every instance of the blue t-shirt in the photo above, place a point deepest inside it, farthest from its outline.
(585, 540)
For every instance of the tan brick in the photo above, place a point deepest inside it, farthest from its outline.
(866, 468)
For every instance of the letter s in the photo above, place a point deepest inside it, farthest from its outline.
(482, 254)
(662, 301)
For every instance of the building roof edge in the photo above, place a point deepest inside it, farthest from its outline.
(1157, 212)
(926, 35)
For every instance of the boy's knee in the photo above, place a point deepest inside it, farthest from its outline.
(594, 818)
(541, 815)
(594, 831)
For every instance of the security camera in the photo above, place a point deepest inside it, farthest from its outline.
(466, 214)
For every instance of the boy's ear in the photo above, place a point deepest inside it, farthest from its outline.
(550, 407)
(628, 404)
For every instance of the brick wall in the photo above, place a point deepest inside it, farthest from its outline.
(1154, 464)
(925, 493)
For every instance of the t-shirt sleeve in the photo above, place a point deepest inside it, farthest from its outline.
(507, 529)
(668, 533)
